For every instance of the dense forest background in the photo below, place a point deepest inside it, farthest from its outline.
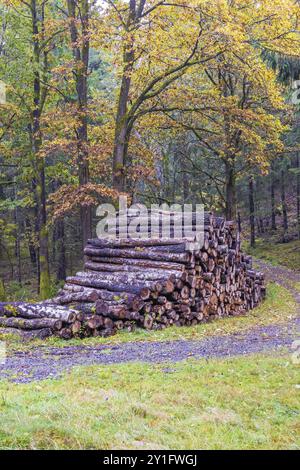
(189, 102)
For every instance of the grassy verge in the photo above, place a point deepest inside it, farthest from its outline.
(278, 307)
(285, 254)
(296, 286)
(241, 403)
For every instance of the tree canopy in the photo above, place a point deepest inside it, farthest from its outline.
(163, 100)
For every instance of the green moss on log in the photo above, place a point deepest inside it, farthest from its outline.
(2, 292)
(45, 287)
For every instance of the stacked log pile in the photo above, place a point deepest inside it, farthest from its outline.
(149, 282)
(38, 320)
(158, 282)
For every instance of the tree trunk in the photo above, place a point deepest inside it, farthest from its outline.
(230, 189)
(298, 193)
(17, 241)
(2, 291)
(61, 251)
(122, 130)
(81, 58)
(239, 221)
(120, 144)
(273, 204)
(40, 310)
(284, 206)
(39, 164)
(30, 228)
(186, 181)
(34, 324)
(252, 211)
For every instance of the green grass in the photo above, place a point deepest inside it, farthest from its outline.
(285, 254)
(296, 286)
(241, 403)
(279, 307)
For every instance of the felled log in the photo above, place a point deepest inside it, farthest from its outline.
(65, 333)
(35, 324)
(101, 293)
(42, 333)
(115, 311)
(36, 311)
(96, 321)
(135, 242)
(76, 327)
(84, 296)
(153, 283)
(137, 254)
(140, 263)
(129, 277)
(141, 288)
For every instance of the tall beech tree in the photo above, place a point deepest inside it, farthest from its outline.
(251, 211)
(79, 16)
(29, 90)
(41, 69)
(34, 102)
(236, 118)
(160, 41)
(169, 101)
(298, 191)
(186, 35)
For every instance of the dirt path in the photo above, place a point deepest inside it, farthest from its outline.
(283, 276)
(46, 362)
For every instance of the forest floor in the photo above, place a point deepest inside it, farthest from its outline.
(230, 384)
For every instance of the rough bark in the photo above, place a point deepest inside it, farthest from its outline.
(136, 254)
(284, 206)
(80, 48)
(298, 193)
(216, 281)
(251, 211)
(36, 311)
(2, 291)
(135, 242)
(84, 296)
(108, 285)
(230, 189)
(34, 324)
(122, 128)
(273, 203)
(28, 335)
(38, 162)
(61, 251)
(110, 264)
(30, 232)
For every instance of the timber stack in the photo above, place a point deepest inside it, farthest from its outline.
(151, 283)
(40, 320)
